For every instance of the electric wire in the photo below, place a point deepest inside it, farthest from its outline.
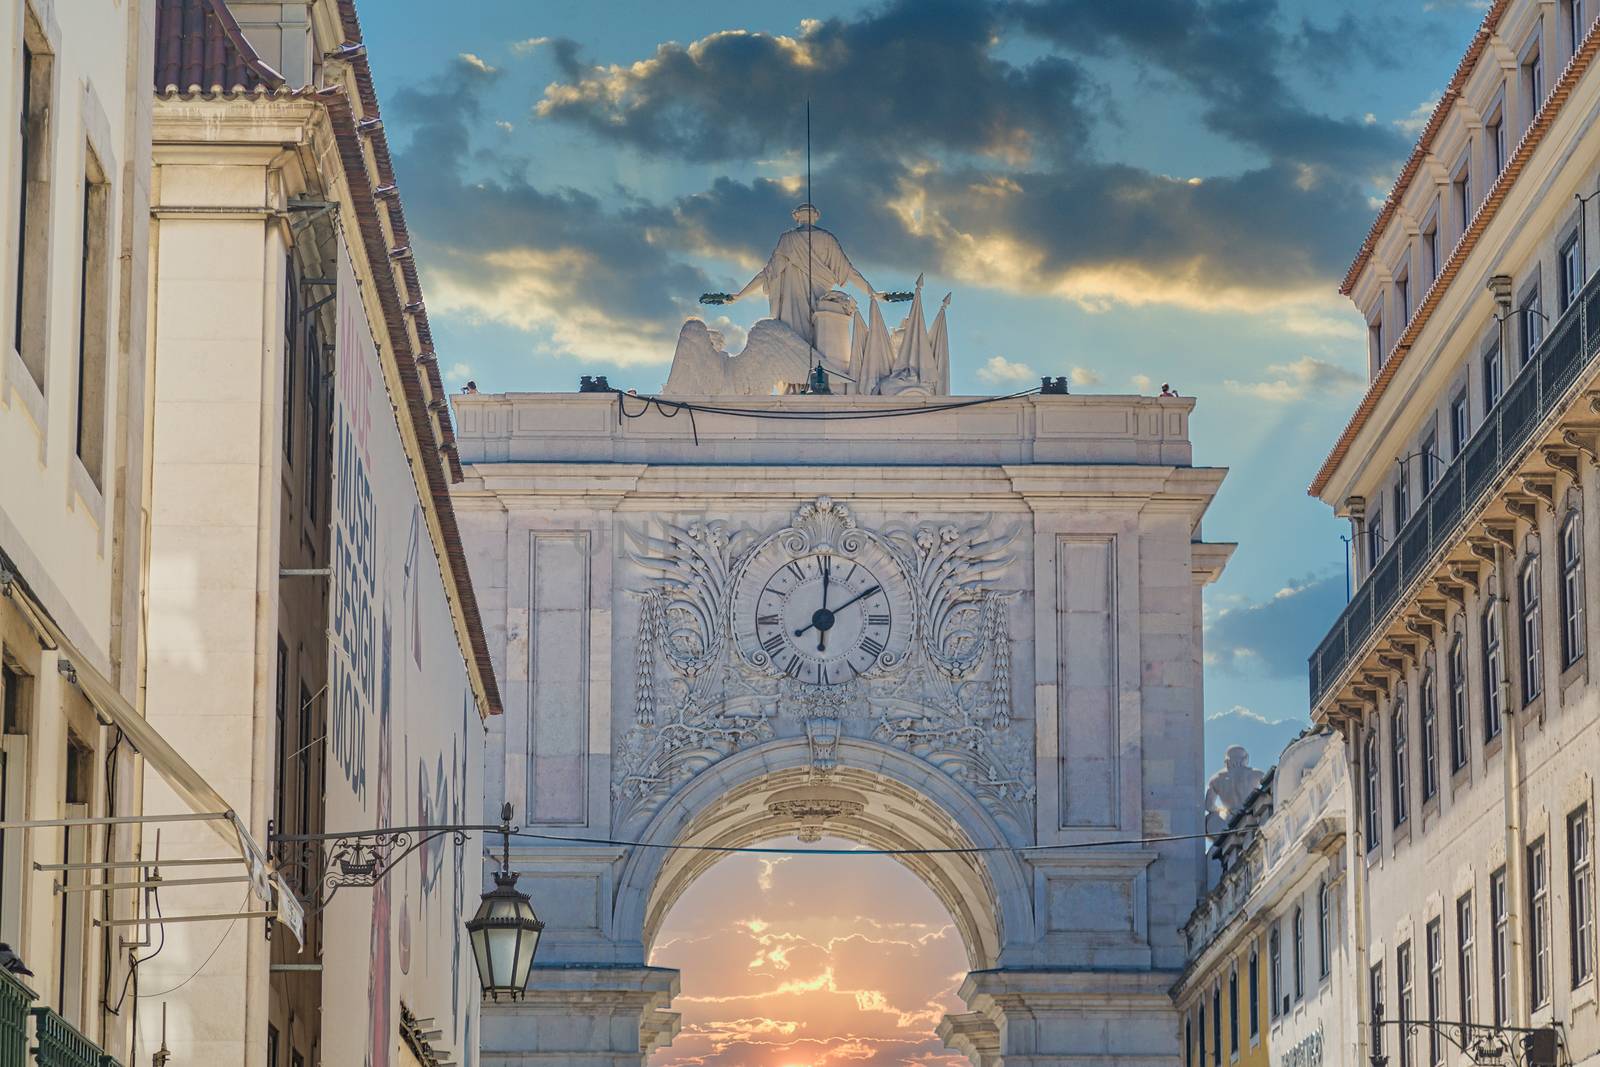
(671, 409)
(218, 947)
(955, 851)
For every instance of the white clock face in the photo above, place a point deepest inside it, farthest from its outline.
(823, 619)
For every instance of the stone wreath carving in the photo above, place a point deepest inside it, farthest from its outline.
(700, 694)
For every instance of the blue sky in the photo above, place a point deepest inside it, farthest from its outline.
(1126, 192)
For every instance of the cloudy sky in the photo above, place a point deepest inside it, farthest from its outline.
(1123, 191)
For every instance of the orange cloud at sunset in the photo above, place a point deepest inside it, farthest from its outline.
(818, 961)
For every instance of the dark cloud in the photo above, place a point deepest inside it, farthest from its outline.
(1233, 54)
(919, 73)
(955, 137)
(1273, 638)
(558, 261)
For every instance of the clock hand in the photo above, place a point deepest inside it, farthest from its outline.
(827, 572)
(859, 596)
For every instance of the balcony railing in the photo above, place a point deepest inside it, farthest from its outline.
(1472, 475)
(61, 1045)
(14, 1001)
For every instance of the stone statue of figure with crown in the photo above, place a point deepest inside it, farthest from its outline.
(813, 323)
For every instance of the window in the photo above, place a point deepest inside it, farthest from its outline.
(1374, 797)
(1461, 189)
(1532, 318)
(1376, 542)
(1495, 128)
(1435, 949)
(1202, 1030)
(1403, 990)
(1532, 631)
(1539, 924)
(93, 349)
(1458, 704)
(1499, 948)
(1465, 959)
(1375, 352)
(313, 415)
(1216, 1024)
(1402, 295)
(302, 758)
(291, 315)
(1299, 952)
(1375, 994)
(34, 150)
(1400, 756)
(280, 792)
(1494, 673)
(1572, 24)
(1430, 461)
(1580, 895)
(1402, 494)
(1533, 79)
(1573, 619)
(1233, 1009)
(1460, 424)
(1324, 929)
(1571, 257)
(1493, 379)
(1255, 990)
(1274, 972)
(1188, 1041)
(1430, 247)
(1430, 735)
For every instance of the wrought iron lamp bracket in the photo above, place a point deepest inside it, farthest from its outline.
(327, 863)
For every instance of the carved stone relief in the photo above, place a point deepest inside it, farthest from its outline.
(940, 688)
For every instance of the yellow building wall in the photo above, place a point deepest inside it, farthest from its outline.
(1251, 1050)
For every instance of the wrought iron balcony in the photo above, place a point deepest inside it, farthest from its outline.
(14, 1001)
(1542, 388)
(61, 1045)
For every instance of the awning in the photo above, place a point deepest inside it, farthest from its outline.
(267, 884)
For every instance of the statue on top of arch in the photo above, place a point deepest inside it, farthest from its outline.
(814, 323)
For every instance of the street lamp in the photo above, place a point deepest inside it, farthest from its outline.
(505, 931)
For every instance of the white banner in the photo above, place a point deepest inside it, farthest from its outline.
(405, 741)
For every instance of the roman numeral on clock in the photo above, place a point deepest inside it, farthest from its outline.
(773, 643)
(793, 666)
(871, 645)
(877, 620)
(794, 566)
(768, 620)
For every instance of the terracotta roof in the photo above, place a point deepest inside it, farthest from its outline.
(1485, 214)
(1441, 111)
(200, 48)
(393, 301)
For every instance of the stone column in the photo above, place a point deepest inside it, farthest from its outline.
(1063, 1018)
(611, 1016)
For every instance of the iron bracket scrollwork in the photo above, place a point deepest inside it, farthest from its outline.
(1483, 1044)
(320, 865)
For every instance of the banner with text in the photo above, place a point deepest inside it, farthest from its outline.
(405, 742)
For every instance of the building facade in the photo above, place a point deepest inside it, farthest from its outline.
(1017, 663)
(315, 645)
(75, 161)
(1269, 978)
(1459, 673)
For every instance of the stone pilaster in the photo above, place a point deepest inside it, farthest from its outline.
(973, 1036)
(1063, 1018)
(611, 1016)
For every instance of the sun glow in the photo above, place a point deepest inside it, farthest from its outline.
(810, 962)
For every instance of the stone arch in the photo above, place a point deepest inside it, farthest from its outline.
(909, 804)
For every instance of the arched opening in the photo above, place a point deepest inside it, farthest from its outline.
(875, 795)
(810, 960)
